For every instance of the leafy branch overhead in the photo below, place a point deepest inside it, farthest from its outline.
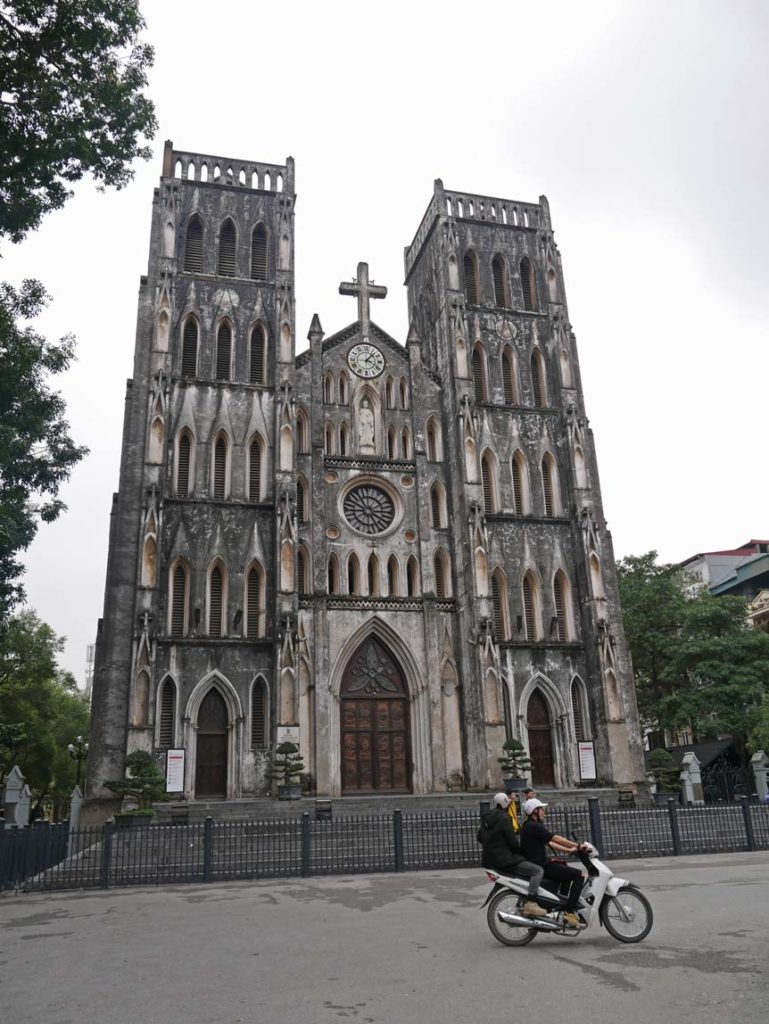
(72, 75)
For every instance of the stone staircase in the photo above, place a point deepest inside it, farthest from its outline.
(260, 808)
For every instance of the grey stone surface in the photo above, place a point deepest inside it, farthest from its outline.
(383, 949)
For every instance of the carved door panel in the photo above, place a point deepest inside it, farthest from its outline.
(540, 742)
(211, 759)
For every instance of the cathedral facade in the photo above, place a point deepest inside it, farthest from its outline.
(393, 554)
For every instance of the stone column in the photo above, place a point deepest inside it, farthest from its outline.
(691, 778)
(16, 799)
(759, 762)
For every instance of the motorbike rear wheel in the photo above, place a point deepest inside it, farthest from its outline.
(627, 916)
(507, 934)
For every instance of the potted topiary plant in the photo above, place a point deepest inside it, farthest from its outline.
(515, 765)
(663, 772)
(144, 782)
(286, 767)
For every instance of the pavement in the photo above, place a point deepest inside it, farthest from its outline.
(381, 949)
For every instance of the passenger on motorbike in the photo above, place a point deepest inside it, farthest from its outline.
(534, 838)
(502, 852)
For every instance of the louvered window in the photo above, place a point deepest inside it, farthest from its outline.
(227, 236)
(576, 710)
(300, 567)
(411, 578)
(537, 383)
(508, 378)
(183, 469)
(167, 715)
(300, 501)
(432, 450)
(253, 603)
(259, 253)
(392, 577)
(220, 468)
(223, 351)
(479, 377)
(193, 248)
(560, 607)
(259, 716)
(216, 589)
(517, 486)
(391, 443)
(435, 505)
(529, 616)
(255, 470)
(190, 349)
(527, 284)
(440, 577)
(547, 486)
(496, 599)
(487, 473)
(471, 278)
(257, 363)
(178, 600)
(498, 273)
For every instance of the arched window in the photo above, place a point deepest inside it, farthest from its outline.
(167, 717)
(258, 356)
(177, 612)
(149, 562)
(532, 617)
(442, 575)
(259, 715)
(333, 574)
(550, 486)
(216, 601)
(259, 253)
(223, 351)
(562, 605)
(392, 444)
(184, 465)
(412, 577)
(434, 441)
(193, 247)
(438, 506)
(353, 574)
(227, 242)
(219, 469)
(406, 443)
(510, 377)
(528, 285)
(344, 439)
(373, 576)
(501, 289)
(302, 433)
(552, 285)
(328, 389)
(404, 393)
(578, 710)
(344, 392)
(255, 452)
(329, 438)
(301, 501)
(393, 576)
(519, 467)
(499, 605)
(190, 348)
(390, 393)
(255, 602)
(479, 375)
(489, 478)
(303, 577)
(580, 471)
(472, 285)
(539, 391)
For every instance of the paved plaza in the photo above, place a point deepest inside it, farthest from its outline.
(381, 949)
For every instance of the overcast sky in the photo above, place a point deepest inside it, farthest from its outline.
(644, 123)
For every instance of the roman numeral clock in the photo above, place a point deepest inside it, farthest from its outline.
(365, 360)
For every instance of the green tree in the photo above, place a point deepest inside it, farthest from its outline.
(758, 738)
(40, 707)
(696, 660)
(36, 450)
(72, 75)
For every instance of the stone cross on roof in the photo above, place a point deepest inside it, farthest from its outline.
(365, 290)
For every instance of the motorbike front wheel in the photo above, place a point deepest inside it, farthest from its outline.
(627, 916)
(507, 902)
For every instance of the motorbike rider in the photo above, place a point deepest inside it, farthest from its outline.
(534, 838)
(514, 810)
(502, 852)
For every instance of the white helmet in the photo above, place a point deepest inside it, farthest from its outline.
(501, 800)
(531, 805)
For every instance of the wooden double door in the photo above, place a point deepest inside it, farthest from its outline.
(211, 758)
(540, 741)
(375, 723)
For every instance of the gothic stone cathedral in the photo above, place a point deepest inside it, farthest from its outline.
(393, 554)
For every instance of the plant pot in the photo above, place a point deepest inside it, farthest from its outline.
(661, 799)
(515, 784)
(290, 791)
(130, 820)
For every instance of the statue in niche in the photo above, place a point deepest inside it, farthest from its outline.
(366, 427)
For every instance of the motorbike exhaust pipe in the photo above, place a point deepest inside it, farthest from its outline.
(519, 921)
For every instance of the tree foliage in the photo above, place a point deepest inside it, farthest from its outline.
(41, 709)
(36, 450)
(72, 75)
(696, 660)
(143, 780)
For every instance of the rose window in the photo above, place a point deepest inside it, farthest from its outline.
(369, 509)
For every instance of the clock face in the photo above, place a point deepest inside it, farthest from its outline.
(365, 360)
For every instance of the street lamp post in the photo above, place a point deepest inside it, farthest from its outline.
(78, 751)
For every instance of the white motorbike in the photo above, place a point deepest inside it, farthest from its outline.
(616, 903)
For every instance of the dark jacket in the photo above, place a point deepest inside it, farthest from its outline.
(501, 848)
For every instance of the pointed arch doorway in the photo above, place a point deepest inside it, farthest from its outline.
(376, 748)
(211, 757)
(540, 733)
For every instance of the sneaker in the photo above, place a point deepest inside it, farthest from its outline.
(572, 920)
(531, 909)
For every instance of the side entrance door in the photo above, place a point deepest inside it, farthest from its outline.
(540, 741)
(211, 760)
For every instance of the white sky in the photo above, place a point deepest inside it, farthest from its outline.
(644, 123)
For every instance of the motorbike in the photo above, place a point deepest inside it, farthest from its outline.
(618, 905)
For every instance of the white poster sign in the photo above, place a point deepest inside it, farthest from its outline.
(587, 761)
(287, 734)
(175, 770)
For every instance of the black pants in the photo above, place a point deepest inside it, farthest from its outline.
(563, 873)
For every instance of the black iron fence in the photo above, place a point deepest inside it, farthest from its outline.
(53, 858)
